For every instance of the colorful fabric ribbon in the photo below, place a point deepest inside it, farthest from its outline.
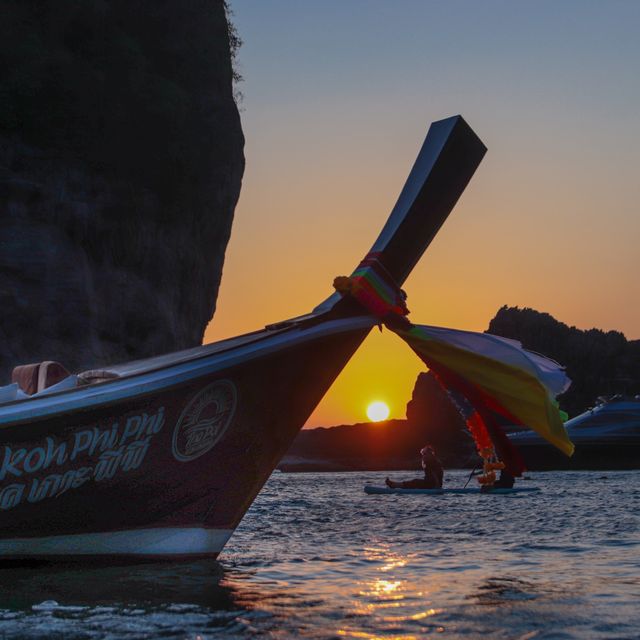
(496, 375)
(373, 287)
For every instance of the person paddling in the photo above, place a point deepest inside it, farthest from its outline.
(505, 481)
(433, 473)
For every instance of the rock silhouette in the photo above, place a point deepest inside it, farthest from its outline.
(121, 159)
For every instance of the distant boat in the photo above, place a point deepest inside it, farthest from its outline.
(162, 457)
(605, 437)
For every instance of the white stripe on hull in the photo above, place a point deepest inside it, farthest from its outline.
(168, 541)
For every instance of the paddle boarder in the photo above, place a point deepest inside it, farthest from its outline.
(433, 473)
(505, 481)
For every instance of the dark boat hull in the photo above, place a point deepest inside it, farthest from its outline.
(606, 437)
(165, 473)
(601, 456)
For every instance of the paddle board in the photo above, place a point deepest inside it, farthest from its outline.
(370, 489)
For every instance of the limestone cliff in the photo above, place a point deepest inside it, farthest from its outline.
(121, 159)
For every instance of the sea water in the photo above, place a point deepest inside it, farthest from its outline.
(317, 558)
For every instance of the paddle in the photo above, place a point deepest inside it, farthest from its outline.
(470, 476)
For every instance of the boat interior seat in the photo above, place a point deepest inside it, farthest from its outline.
(33, 378)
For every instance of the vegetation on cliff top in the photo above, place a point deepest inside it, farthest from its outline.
(599, 363)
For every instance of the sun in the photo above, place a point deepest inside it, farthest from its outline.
(378, 411)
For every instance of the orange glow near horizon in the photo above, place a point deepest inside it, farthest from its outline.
(496, 248)
(281, 264)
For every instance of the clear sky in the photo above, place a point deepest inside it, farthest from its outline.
(338, 96)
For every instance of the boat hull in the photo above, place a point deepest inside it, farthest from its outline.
(168, 473)
(596, 456)
(606, 437)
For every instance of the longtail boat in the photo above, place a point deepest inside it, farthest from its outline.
(162, 457)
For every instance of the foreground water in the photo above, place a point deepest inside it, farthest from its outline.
(317, 558)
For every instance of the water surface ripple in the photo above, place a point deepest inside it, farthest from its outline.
(317, 558)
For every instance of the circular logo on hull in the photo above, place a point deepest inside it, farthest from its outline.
(204, 420)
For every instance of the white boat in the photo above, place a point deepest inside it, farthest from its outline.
(606, 437)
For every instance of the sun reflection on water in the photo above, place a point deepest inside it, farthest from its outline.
(363, 634)
(389, 600)
(394, 564)
(386, 587)
(415, 616)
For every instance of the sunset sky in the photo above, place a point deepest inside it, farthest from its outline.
(338, 96)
